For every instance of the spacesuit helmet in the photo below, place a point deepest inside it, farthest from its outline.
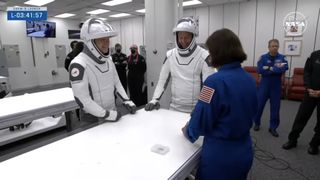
(186, 24)
(94, 28)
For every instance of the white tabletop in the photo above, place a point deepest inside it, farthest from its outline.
(27, 102)
(35, 105)
(117, 151)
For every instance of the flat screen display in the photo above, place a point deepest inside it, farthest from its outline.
(44, 29)
(74, 34)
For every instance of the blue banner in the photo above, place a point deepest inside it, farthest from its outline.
(27, 15)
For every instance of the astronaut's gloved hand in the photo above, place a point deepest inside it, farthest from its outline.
(112, 116)
(153, 104)
(130, 106)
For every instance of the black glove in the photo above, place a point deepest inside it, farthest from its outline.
(112, 116)
(130, 106)
(153, 104)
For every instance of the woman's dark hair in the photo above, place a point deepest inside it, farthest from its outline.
(225, 47)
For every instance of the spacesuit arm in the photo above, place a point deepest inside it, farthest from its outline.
(263, 68)
(80, 87)
(280, 68)
(207, 69)
(204, 115)
(163, 80)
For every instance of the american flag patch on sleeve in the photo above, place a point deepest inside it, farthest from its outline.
(206, 94)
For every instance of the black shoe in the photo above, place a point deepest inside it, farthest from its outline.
(256, 128)
(289, 145)
(273, 132)
(313, 150)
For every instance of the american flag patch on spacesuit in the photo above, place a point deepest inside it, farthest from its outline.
(206, 94)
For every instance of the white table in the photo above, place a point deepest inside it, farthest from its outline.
(28, 107)
(115, 151)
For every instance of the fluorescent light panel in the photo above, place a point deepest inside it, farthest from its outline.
(98, 11)
(191, 3)
(64, 15)
(141, 10)
(120, 15)
(38, 2)
(116, 2)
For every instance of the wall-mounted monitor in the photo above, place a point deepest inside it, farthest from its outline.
(74, 34)
(41, 29)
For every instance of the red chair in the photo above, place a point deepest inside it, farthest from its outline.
(296, 88)
(284, 85)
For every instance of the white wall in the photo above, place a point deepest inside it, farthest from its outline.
(131, 31)
(30, 75)
(258, 21)
(255, 22)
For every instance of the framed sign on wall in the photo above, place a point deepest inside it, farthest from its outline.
(292, 47)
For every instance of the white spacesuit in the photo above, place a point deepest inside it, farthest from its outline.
(93, 75)
(188, 67)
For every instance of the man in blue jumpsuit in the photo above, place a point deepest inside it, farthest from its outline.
(224, 113)
(271, 66)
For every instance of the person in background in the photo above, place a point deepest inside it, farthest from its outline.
(224, 112)
(188, 65)
(76, 47)
(137, 67)
(93, 75)
(121, 62)
(48, 31)
(271, 66)
(310, 101)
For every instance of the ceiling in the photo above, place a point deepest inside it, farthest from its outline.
(80, 7)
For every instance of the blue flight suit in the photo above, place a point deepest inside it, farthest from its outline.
(270, 86)
(224, 115)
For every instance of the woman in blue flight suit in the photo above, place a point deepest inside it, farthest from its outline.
(224, 112)
(271, 66)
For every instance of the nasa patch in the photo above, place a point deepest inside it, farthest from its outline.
(76, 72)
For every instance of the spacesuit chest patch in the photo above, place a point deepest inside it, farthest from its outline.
(76, 72)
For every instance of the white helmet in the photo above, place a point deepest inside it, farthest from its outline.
(186, 24)
(94, 28)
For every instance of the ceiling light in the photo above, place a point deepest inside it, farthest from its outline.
(116, 2)
(38, 2)
(190, 3)
(98, 11)
(141, 10)
(64, 15)
(103, 19)
(120, 15)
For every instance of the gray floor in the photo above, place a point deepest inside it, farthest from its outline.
(271, 161)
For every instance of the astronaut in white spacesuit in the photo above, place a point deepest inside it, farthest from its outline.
(188, 65)
(93, 75)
